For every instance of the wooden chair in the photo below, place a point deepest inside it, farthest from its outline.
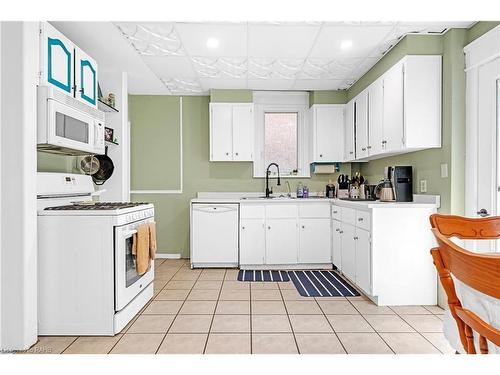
(479, 271)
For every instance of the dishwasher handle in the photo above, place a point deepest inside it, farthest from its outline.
(213, 208)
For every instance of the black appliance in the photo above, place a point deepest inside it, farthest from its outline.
(401, 178)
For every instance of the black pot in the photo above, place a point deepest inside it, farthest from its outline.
(105, 170)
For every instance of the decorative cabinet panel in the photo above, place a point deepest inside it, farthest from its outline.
(361, 125)
(66, 67)
(252, 241)
(57, 55)
(86, 78)
(337, 244)
(231, 132)
(363, 259)
(398, 113)
(327, 125)
(349, 151)
(348, 250)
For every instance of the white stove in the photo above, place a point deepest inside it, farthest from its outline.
(88, 284)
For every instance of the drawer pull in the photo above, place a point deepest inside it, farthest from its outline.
(335, 212)
(360, 219)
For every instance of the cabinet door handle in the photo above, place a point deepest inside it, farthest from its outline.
(360, 219)
(351, 152)
(268, 227)
(236, 154)
(368, 147)
(341, 231)
(337, 230)
(242, 227)
(303, 226)
(335, 212)
(355, 238)
(363, 149)
(227, 153)
(320, 155)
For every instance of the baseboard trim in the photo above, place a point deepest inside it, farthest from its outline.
(168, 256)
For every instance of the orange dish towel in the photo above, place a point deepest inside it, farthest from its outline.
(152, 240)
(142, 249)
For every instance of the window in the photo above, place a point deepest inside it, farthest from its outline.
(280, 140)
(281, 134)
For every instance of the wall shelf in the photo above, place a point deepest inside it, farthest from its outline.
(105, 107)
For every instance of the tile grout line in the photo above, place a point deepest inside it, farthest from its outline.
(180, 308)
(215, 309)
(378, 333)
(251, 323)
(141, 312)
(333, 329)
(71, 343)
(289, 320)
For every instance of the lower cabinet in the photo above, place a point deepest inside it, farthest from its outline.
(314, 241)
(337, 244)
(252, 241)
(348, 251)
(363, 259)
(281, 241)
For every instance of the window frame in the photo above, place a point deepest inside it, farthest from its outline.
(281, 102)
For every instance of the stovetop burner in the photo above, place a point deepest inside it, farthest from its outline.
(96, 206)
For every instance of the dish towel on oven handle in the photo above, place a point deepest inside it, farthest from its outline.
(141, 245)
(152, 240)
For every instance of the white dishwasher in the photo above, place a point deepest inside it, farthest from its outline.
(214, 235)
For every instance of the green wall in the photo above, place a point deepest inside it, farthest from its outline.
(172, 210)
(231, 96)
(327, 97)
(479, 29)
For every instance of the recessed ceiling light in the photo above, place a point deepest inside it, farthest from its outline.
(346, 44)
(212, 42)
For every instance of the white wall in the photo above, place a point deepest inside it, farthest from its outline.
(118, 186)
(18, 261)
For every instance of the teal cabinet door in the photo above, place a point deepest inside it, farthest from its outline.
(86, 78)
(57, 59)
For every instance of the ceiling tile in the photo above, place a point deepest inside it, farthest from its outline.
(364, 39)
(170, 66)
(327, 69)
(223, 83)
(220, 67)
(270, 84)
(274, 68)
(279, 41)
(152, 39)
(179, 86)
(232, 38)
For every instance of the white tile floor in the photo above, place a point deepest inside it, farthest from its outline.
(208, 311)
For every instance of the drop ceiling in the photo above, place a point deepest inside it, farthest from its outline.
(173, 57)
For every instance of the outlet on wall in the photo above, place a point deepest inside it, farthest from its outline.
(423, 186)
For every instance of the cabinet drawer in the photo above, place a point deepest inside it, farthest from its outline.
(281, 211)
(310, 210)
(348, 215)
(363, 220)
(252, 212)
(336, 213)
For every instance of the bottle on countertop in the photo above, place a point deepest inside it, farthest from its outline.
(300, 190)
(330, 189)
(305, 192)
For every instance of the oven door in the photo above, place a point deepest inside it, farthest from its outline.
(128, 283)
(73, 129)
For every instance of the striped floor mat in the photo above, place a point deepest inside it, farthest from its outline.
(259, 275)
(321, 284)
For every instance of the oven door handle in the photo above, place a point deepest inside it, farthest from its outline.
(129, 233)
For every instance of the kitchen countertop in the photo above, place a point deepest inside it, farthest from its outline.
(420, 200)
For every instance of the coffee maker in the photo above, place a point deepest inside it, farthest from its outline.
(401, 178)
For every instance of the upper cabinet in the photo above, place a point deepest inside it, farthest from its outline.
(400, 112)
(349, 151)
(231, 132)
(66, 67)
(327, 126)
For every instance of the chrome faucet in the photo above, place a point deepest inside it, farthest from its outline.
(269, 191)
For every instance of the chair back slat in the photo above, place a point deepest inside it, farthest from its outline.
(487, 228)
(479, 271)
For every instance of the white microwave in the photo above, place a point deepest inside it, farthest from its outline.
(66, 126)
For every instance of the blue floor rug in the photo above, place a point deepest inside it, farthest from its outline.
(259, 275)
(321, 284)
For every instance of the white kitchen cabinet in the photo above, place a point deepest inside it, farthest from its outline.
(348, 252)
(375, 117)
(315, 245)
(85, 78)
(252, 241)
(393, 108)
(327, 132)
(231, 132)
(337, 244)
(66, 67)
(349, 151)
(57, 55)
(281, 241)
(400, 112)
(363, 260)
(361, 125)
